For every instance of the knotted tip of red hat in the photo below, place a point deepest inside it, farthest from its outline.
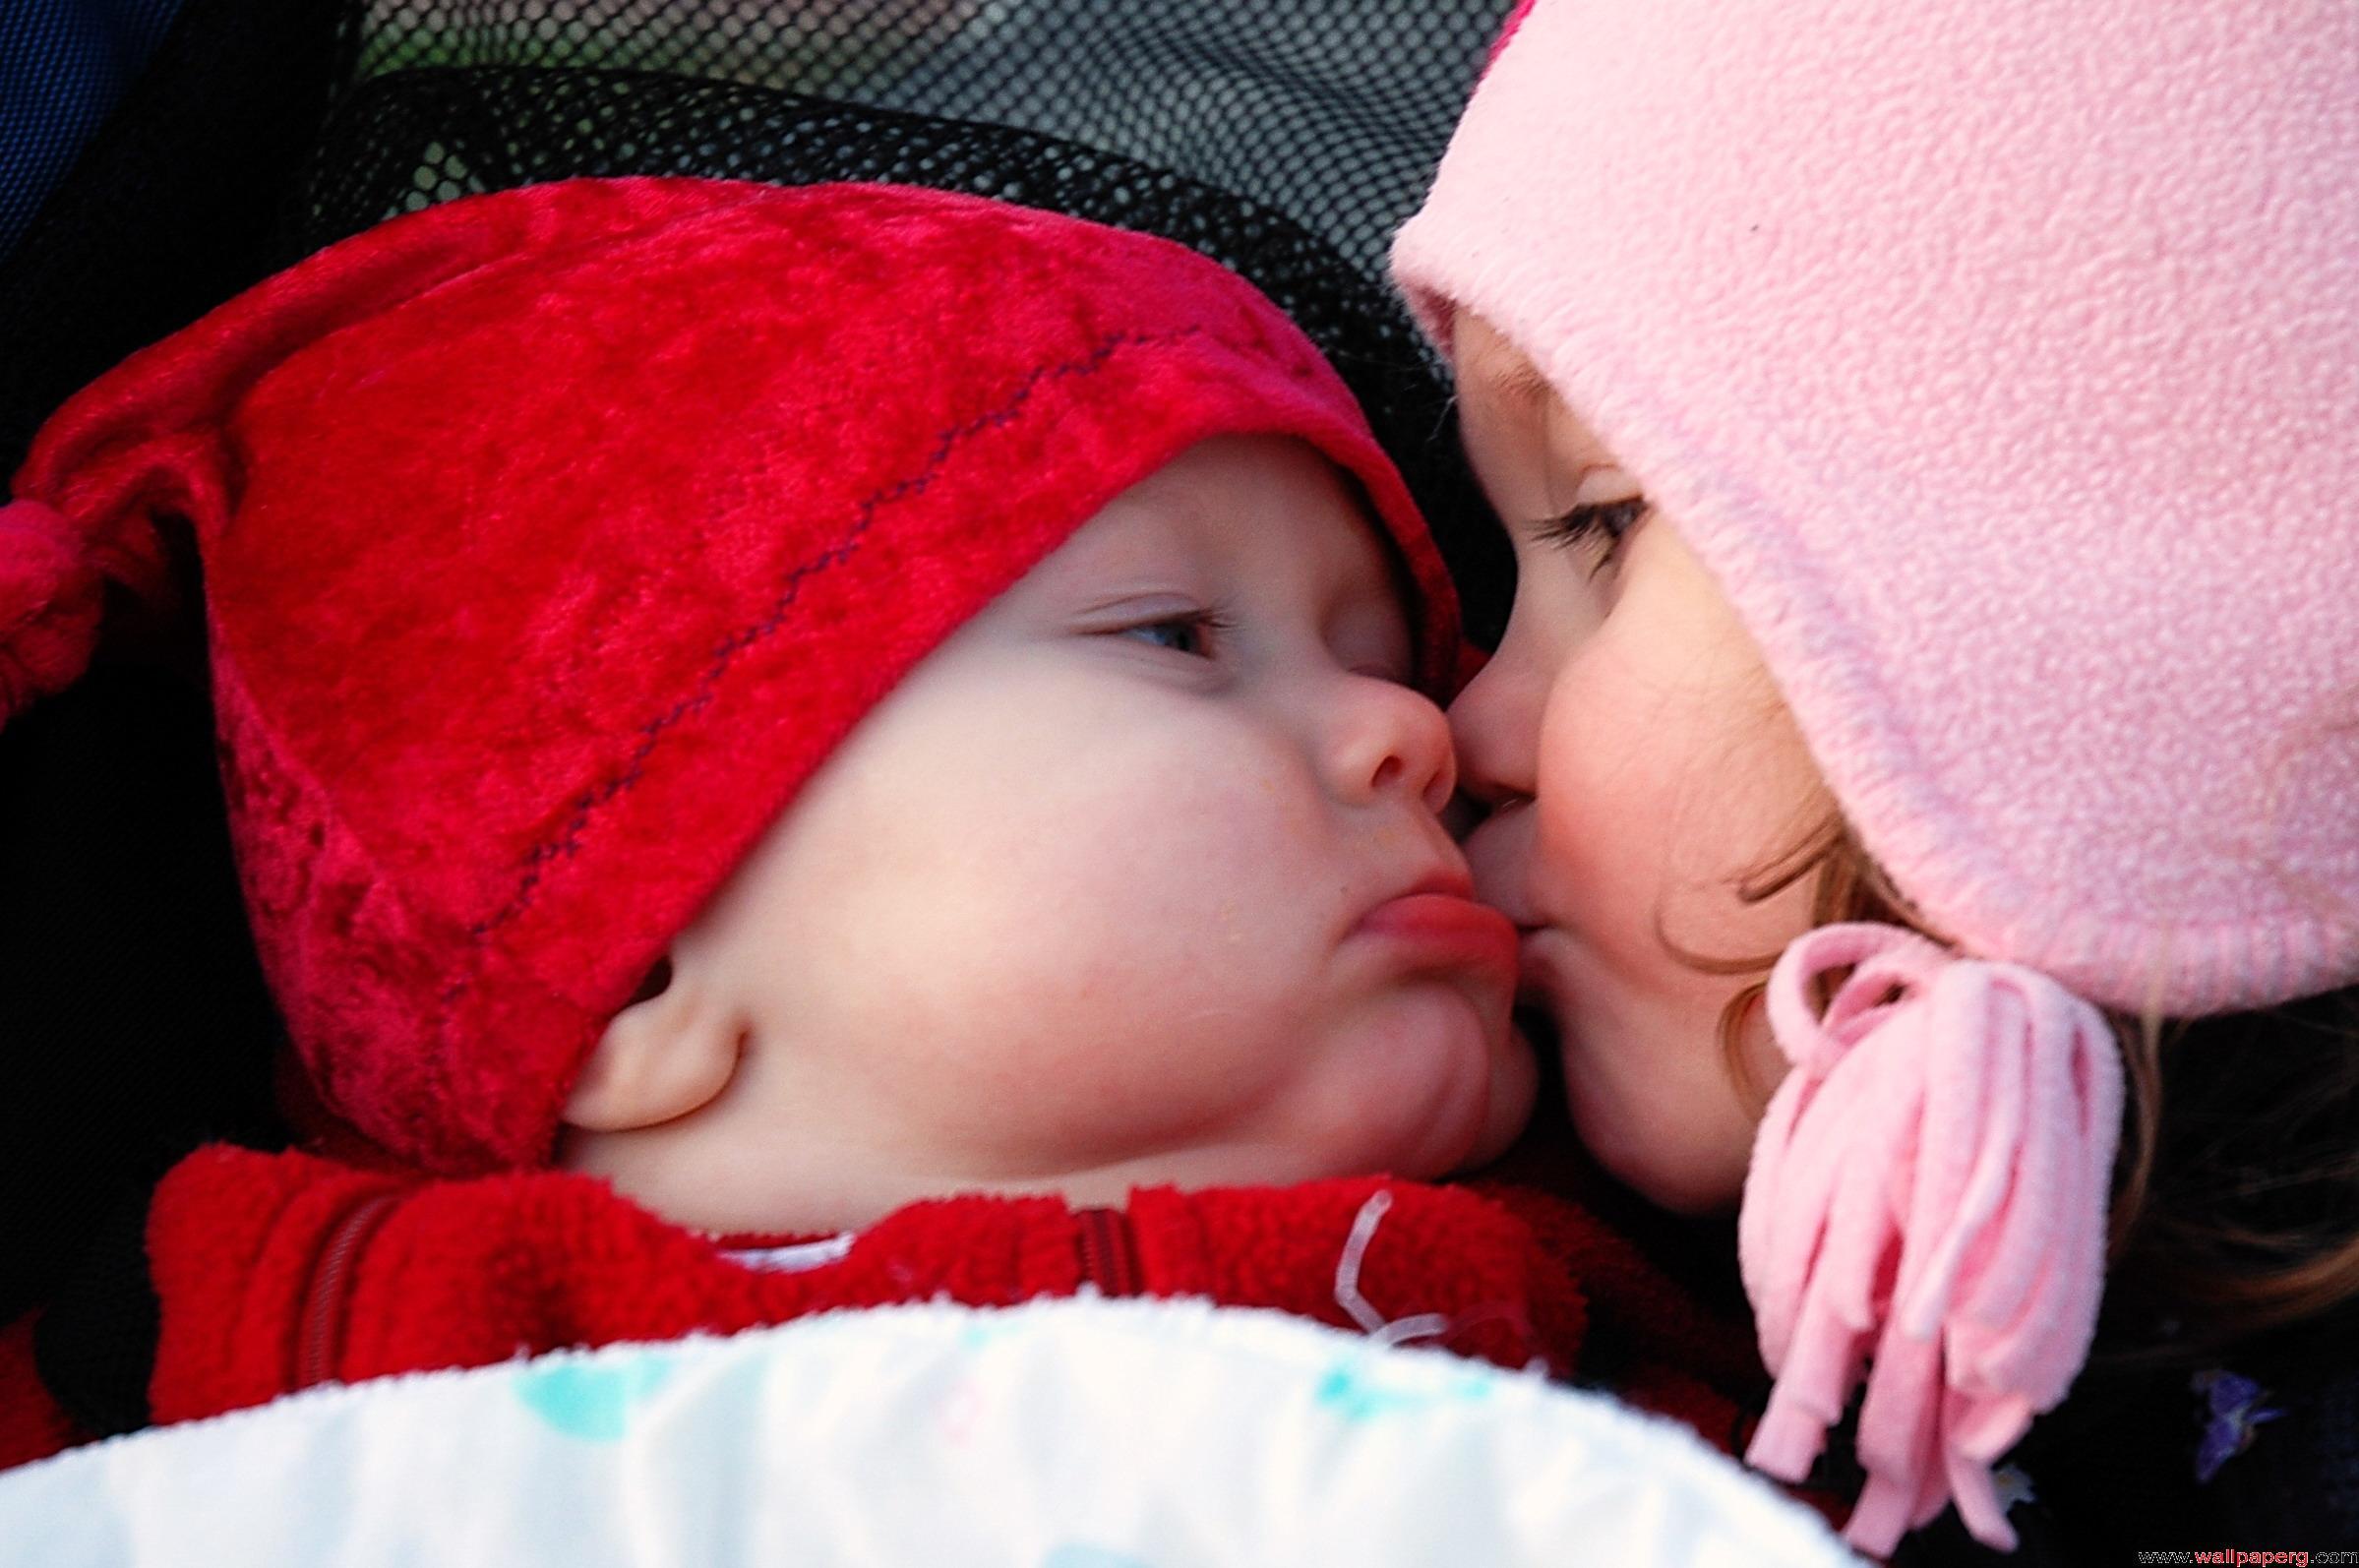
(51, 591)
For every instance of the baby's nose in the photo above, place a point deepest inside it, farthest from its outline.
(1390, 738)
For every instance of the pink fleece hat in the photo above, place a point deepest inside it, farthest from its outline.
(2004, 369)
(2002, 365)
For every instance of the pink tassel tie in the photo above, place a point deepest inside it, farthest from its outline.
(1927, 1199)
(50, 596)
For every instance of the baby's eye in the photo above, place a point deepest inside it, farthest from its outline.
(1192, 634)
(1599, 526)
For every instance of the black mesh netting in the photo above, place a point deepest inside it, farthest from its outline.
(411, 137)
(1332, 111)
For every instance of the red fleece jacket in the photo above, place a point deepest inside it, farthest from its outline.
(275, 1272)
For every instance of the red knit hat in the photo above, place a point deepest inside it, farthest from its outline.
(553, 538)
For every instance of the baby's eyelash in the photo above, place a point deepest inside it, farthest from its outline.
(1203, 627)
(1601, 525)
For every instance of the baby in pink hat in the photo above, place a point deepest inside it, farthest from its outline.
(1925, 431)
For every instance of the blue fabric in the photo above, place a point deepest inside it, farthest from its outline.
(63, 65)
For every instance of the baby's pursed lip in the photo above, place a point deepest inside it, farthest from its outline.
(1453, 881)
(1447, 931)
(1438, 916)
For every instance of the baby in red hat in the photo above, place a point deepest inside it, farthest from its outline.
(744, 709)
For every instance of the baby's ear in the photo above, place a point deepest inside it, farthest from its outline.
(669, 1053)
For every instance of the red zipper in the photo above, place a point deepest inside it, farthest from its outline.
(1108, 1251)
(320, 1344)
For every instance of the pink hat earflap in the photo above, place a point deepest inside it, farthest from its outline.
(1927, 1196)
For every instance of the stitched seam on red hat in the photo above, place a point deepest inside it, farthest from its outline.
(569, 838)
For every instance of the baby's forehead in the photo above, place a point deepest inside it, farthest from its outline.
(1259, 504)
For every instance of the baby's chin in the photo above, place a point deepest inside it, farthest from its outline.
(1423, 1093)
(1457, 1086)
(1514, 1083)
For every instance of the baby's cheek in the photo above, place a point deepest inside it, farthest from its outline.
(1235, 810)
(1152, 874)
